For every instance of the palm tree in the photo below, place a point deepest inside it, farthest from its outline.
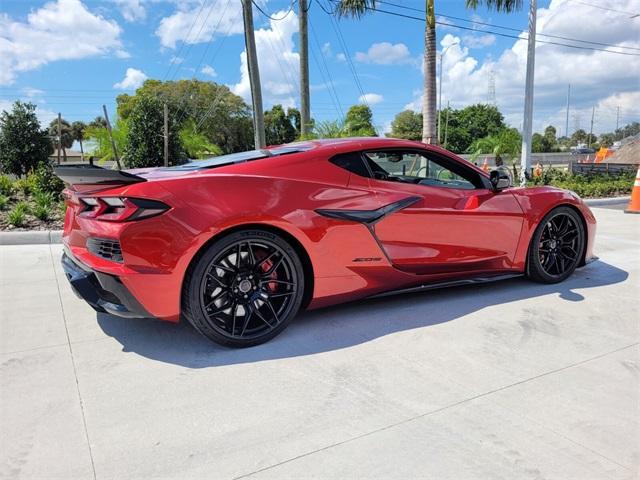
(357, 8)
(65, 139)
(77, 132)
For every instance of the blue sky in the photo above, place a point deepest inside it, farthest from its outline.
(72, 56)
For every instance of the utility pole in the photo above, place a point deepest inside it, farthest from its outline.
(254, 74)
(59, 137)
(617, 117)
(593, 113)
(525, 161)
(566, 123)
(113, 143)
(305, 113)
(166, 135)
(446, 126)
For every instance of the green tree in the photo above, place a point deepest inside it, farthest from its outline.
(627, 131)
(23, 143)
(145, 144)
(607, 139)
(223, 117)
(357, 8)
(579, 136)
(65, 139)
(77, 131)
(99, 135)
(358, 122)
(505, 145)
(196, 144)
(538, 143)
(329, 129)
(470, 124)
(278, 126)
(550, 135)
(407, 125)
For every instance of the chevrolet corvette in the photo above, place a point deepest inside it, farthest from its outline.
(238, 244)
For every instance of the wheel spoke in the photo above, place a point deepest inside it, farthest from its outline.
(263, 319)
(216, 279)
(266, 259)
(279, 282)
(247, 318)
(283, 294)
(252, 257)
(273, 312)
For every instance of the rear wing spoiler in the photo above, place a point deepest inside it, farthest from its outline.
(94, 175)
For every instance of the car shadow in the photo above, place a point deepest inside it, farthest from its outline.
(345, 325)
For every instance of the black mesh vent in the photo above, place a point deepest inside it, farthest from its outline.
(107, 249)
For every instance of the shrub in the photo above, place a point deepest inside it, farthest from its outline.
(24, 185)
(43, 199)
(4, 201)
(18, 215)
(42, 212)
(6, 185)
(45, 181)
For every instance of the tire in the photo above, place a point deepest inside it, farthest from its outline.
(556, 247)
(244, 289)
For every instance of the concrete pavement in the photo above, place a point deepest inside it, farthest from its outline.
(508, 380)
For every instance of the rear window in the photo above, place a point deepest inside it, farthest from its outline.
(352, 162)
(240, 157)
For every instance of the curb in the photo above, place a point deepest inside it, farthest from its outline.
(594, 202)
(34, 237)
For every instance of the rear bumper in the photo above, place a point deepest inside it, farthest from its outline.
(104, 292)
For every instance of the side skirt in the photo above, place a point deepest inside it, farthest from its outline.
(449, 283)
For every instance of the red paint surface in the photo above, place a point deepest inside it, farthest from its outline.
(447, 234)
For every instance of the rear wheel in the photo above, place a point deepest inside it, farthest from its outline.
(556, 247)
(244, 289)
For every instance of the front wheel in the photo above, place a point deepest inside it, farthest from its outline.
(244, 289)
(556, 247)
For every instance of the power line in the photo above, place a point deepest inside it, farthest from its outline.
(633, 14)
(332, 90)
(519, 37)
(477, 22)
(255, 4)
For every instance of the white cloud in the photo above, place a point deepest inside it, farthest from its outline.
(31, 92)
(278, 63)
(44, 116)
(596, 78)
(132, 10)
(133, 79)
(199, 22)
(60, 30)
(385, 53)
(479, 41)
(326, 50)
(209, 70)
(175, 60)
(370, 98)
(341, 57)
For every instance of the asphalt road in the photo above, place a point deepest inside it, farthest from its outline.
(511, 380)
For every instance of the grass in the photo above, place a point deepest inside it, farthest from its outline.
(4, 201)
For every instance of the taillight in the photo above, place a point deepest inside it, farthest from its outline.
(120, 209)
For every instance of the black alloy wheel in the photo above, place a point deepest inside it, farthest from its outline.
(245, 289)
(557, 246)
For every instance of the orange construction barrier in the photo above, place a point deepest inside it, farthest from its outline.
(602, 154)
(634, 203)
(485, 165)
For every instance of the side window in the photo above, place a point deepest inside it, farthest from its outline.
(418, 168)
(352, 162)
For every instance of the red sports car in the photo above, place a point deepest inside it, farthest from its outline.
(238, 244)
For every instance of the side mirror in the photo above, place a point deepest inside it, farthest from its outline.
(499, 180)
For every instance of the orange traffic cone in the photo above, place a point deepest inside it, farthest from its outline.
(634, 203)
(537, 172)
(485, 165)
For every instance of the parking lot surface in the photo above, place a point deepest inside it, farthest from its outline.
(506, 380)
